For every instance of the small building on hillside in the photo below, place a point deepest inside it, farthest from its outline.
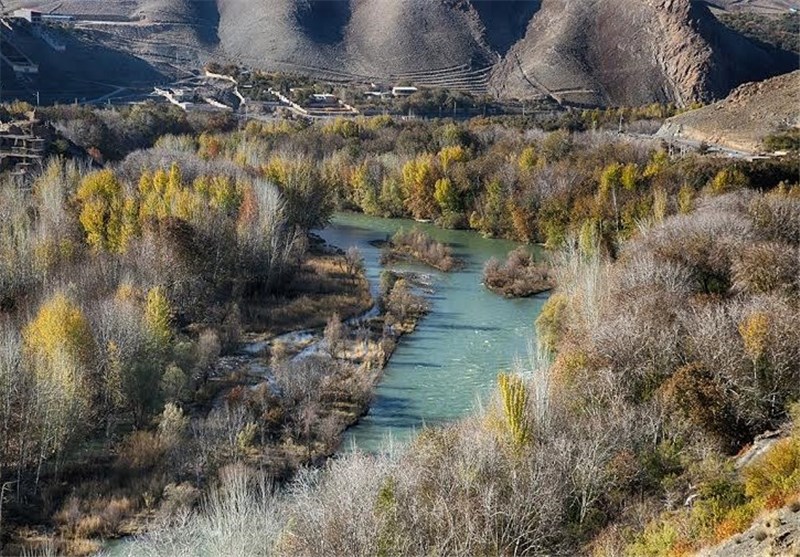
(30, 15)
(324, 98)
(57, 18)
(403, 91)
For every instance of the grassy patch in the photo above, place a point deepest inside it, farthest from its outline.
(322, 286)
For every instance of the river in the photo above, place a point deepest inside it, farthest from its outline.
(441, 371)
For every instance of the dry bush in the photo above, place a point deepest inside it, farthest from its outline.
(777, 217)
(417, 244)
(403, 304)
(335, 334)
(765, 267)
(518, 276)
(240, 516)
(141, 451)
(178, 500)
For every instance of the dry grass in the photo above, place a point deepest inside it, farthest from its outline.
(321, 287)
(416, 244)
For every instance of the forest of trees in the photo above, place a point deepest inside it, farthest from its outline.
(670, 341)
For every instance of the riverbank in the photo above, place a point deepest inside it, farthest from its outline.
(449, 365)
(300, 376)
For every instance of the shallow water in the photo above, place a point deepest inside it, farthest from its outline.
(441, 371)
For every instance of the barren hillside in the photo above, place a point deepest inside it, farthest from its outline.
(745, 118)
(626, 52)
(578, 51)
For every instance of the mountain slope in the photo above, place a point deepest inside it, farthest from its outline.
(373, 38)
(745, 118)
(631, 52)
(598, 52)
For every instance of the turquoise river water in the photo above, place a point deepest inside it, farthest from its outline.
(441, 371)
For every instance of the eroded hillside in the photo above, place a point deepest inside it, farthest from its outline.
(745, 118)
(607, 52)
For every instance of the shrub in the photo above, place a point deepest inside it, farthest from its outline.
(334, 334)
(142, 450)
(765, 267)
(775, 477)
(417, 244)
(518, 276)
(550, 324)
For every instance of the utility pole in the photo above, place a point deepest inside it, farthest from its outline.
(37, 98)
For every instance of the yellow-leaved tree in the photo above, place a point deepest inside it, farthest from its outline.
(419, 180)
(158, 316)
(60, 348)
(514, 396)
(103, 211)
(450, 155)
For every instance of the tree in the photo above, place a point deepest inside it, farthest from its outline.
(450, 155)
(728, 179)
(419, 182)
(446, 196)
(354, 262)
(629, 176)
(528, 159)
(309, 203)
(158, 316)
(334, 334)
(60, 348)
(610, 182)
(514, 396)
(103, 212)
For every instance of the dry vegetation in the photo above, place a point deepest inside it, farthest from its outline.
(674, 328)
(518, 276)
(419, 246)
(668, 360)
(321, 286)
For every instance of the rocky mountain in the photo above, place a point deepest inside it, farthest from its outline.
(604, 52)
(620, 52)
(743, 119)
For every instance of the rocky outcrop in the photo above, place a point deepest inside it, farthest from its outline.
(776, 534)
(743, 119)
